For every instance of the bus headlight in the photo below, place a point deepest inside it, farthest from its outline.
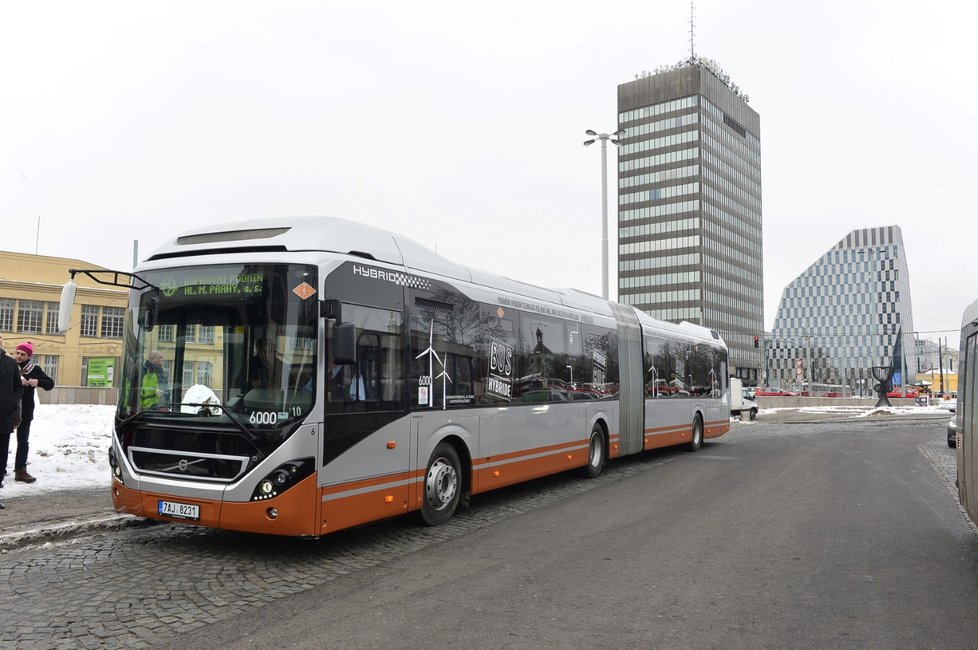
(282, 478)
(114, 466)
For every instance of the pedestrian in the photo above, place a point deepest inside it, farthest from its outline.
(11, 394)
(32, 376)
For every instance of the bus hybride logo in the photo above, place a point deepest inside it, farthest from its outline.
(395, 277)
(500, 380)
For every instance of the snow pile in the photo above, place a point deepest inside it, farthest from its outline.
(69, 448)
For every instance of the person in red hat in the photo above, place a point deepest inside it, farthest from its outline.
(31, 376)
(11, 393)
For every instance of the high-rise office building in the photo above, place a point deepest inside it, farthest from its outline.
(848, 313)
(689, 205)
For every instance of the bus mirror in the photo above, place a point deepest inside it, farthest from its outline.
(344, 343)
(331, 309)
(147, 313)
(67, 303)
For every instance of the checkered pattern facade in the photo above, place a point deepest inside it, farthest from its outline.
(848, 312)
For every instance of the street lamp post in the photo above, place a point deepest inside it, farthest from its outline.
(604, 137)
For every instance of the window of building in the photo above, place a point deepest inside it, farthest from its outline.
(49, 363)
(29, 316)
(6, 314)
(89, 320)
(207, 334)
(205, 371)
(112, 319)
(53, 309)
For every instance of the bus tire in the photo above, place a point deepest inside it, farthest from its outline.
(595, 452)
(697, 440)
(442, 485)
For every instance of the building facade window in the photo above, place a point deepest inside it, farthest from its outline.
(52, 310)
(50, 363)
(207, 334)
(6, 314)
(204, 372)
(89, 320)
(112, 320)
(29, 316)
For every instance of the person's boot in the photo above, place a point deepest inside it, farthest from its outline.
(22, 476)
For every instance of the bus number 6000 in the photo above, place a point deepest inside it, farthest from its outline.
(263, 417)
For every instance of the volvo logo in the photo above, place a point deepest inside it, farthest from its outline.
(182, 465)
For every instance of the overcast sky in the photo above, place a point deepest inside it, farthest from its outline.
(461, 124)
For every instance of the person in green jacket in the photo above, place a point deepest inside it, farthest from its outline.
(154, 387)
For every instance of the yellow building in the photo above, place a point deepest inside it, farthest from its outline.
(932, 380)
(89, 353)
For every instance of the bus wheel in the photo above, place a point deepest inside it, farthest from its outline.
(697, 440)
(442, 486)
(595, 452)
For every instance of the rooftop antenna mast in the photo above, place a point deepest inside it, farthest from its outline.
(692, 34)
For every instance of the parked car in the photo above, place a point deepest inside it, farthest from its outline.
(911, 392)
(952, 431)
(771, 391)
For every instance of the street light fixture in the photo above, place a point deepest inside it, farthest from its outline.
(605, 138)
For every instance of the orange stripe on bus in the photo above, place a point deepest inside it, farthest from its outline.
(529, 452)
(357, 509)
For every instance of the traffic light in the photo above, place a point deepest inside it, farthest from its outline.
(755, 341)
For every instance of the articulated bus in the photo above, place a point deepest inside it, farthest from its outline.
(302, 376)
(966, 413)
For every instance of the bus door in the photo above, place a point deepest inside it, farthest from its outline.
(366, 442)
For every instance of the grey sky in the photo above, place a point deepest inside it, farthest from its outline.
(460, 125)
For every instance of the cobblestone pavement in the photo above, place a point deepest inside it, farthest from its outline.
(144, 586)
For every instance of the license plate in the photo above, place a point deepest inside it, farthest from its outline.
(179, 510)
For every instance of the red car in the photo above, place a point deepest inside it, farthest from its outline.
(770, 391)
(911, 391)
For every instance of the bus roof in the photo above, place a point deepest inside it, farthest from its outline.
(970, 314)
(345, 237)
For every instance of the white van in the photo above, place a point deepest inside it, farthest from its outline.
(741, 400)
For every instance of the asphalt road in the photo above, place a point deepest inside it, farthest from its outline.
(818, 537)
(822, 535)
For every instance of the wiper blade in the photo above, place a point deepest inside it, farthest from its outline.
(205, 408)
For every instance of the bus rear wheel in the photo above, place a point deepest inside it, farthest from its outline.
(595, 452)
(442, 485)
(697, 439)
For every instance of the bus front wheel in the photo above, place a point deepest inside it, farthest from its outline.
(442, 485)
(697, 439)
(595, 452)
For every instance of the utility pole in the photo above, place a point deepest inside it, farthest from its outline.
(808, 363)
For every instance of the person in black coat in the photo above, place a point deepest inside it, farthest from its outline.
(32, 377)
(11, 394)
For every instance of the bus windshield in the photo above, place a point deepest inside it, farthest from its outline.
(233, 341)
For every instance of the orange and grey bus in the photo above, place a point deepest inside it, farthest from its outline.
(302, 376)
(966, 413)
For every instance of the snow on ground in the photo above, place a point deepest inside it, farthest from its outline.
(856, 411)
(69, 448)
(69, 443)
